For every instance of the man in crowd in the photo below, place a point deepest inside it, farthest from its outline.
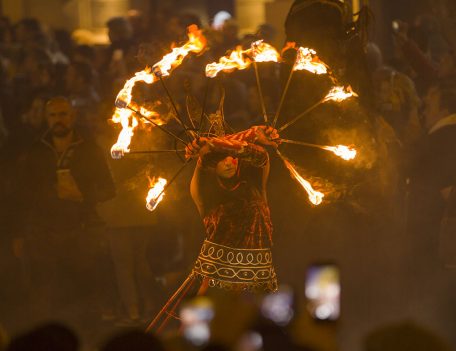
(62, 180)
(435, 172)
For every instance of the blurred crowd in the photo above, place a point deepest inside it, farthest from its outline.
(75, 231)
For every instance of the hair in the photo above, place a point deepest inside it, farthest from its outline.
(58, 99)
(52, 336)
(133, 340)
(30, 24)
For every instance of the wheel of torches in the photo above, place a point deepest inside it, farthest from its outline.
(131, 116)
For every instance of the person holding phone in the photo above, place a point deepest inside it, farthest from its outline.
(63, 177)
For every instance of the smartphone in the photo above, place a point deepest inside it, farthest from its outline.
(279, 306)
(322, 291)
(196, 316)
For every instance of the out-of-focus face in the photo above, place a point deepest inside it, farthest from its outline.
(60, 117)
(227, 167)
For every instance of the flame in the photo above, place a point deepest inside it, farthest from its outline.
(342, 151)
(264, 52)
(129, 123)
(156, 193)
(340, 94)
(258, 52)
(315, 197)
(235, 60)
(308, 60)
(289, 45)
(196, 43)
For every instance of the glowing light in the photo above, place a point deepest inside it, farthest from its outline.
(339, 94)
(196, 43)
(342, 151)
(264, 52)
(129, 123)
(239, 58)
(156, 193)
(308, 60)
(315, 197)
(235, 60)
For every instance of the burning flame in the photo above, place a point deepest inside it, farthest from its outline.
(308, 60)
(196, 43)
(340, 94)
(259, 52)
(156, 193)
(315, 197)
(289, 45)
(264, 52)
(342, 151)
(235, 60)
(129, 123)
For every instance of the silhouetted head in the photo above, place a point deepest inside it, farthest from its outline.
(133, 340)
(49, 337)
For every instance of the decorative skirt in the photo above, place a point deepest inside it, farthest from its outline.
(236, 269)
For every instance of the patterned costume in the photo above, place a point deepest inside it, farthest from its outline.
(236, 253)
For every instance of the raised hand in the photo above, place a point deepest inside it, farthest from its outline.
(196, 147)
(267, 135)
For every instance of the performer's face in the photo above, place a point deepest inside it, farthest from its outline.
(227, 167)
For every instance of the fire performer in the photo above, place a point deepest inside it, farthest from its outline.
(229, 190)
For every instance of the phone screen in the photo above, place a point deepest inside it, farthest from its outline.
(196, 316)
(322, 291)
(278, 306)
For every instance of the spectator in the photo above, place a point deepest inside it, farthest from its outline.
(398, 102)
(404, 337)
(133, 340)
(80, 86)
(63, 178)
(435, 171)
(29, 33)
(84, 53)
(49, 337)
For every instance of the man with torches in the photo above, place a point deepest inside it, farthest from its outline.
(228, 185)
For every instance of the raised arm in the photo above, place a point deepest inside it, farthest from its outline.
(197, 148)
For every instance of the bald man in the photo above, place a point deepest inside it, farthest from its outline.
(63, 179)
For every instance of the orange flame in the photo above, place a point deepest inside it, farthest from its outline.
(315, 197)
(129, 123)
(308, 60)
(344, 152)
(259, 52)
(264, 52)
(156, 193)
(234, 61)
(340, 94)
(289, 45)
(196, 43)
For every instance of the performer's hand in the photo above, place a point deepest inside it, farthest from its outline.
(196, 148)
(267, 135)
